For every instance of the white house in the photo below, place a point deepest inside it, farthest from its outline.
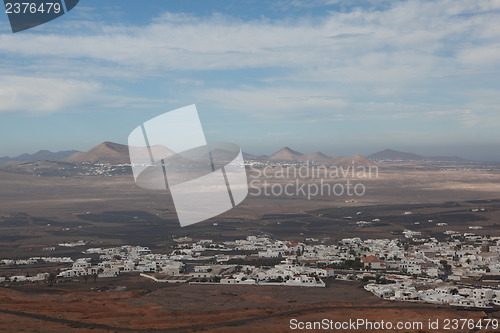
(483, 293)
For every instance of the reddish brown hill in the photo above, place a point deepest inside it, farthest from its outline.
(286, 154)
(318, 157)
(356, 161)
(106, 152)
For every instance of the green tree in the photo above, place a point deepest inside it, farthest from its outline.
(51, 278)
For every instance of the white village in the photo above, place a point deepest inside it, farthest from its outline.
(463, 271)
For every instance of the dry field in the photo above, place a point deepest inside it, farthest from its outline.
(209, 308)
(65, 197)
(36, 212)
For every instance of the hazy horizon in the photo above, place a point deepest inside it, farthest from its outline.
(470, 153)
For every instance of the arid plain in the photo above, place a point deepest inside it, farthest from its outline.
(38, 211)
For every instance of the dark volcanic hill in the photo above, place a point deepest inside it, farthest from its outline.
(248, 156)
(394, 155)
(106, 152)
(42, 155)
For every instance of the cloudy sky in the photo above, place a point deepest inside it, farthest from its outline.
(342, 77)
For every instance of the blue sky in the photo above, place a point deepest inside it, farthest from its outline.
(342, 77)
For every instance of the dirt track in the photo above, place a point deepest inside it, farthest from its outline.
(237, 322)
(209, 308)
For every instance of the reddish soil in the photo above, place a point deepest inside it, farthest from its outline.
(209, 308)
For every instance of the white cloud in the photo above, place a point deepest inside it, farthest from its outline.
(275, 102)
(386, 52)
(483, 56)
(45, 95)
(39, 96)
(411, 33)
(294, 105)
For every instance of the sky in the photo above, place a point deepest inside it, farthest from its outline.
(341, 77)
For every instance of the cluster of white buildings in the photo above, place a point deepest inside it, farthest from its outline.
(435, 292)
(102, 169)
(117, 260)
(172, 267)
(25, 278)
(462, 271)
(73, 244)
(34, 260)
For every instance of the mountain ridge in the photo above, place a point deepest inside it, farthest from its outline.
(394, 155)
(110, 152)
(41, 155)
(287, 154)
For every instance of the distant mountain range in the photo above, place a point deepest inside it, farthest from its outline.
(289, 155)
(110, 152)
(394, 155)
(42, 155)
(248, 156)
